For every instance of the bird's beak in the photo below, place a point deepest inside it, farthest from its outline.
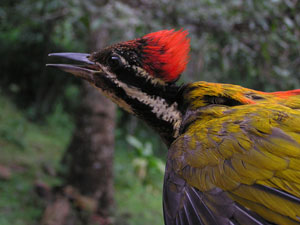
(85, 71)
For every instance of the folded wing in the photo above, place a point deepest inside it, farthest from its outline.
(239, 168)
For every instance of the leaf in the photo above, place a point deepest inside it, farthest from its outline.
(134, 142)
(147, 150)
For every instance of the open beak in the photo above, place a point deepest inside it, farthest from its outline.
(85, 71)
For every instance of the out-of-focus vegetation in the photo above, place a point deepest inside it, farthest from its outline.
(32, 153)
(253, 43)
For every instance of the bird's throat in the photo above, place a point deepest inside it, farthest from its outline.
(161, 114)
(154, 103)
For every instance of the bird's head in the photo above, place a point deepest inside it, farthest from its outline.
(139, 75)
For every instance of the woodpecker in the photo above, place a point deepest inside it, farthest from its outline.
(233, 152)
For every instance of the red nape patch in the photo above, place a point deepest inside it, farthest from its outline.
(166, 53)
(286, 94)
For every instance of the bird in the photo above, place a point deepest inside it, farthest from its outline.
(233, 152)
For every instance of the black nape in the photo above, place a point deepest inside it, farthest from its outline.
(221, 100)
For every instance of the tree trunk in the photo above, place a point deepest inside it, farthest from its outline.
(89, 158)
(90, 154)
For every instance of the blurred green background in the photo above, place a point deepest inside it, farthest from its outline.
(253, 43)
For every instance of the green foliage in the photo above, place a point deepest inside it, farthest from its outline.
(31, 29)
(18, 203)
(26, 148)
(129, 125)
(139, 199)
(145, 162)
(252, 43)
(138, 204)
(43, 146)
(12, 130)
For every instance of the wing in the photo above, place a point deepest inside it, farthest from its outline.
(241, 166)
(186, 205)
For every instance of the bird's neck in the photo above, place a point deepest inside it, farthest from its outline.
(154, 103)
(161, 111)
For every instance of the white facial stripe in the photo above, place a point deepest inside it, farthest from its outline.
(120, 102)
(116, 100)
(106, 71)
(143, 73)
(159, 106)
(124, 62)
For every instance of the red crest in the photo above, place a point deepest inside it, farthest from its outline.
(165, 53)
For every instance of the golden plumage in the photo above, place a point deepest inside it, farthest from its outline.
(255, 141)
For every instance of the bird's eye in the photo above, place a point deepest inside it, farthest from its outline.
(114, 61)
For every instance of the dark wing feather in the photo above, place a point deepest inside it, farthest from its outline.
(186, 205)
(279, 193)
(181, 205)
